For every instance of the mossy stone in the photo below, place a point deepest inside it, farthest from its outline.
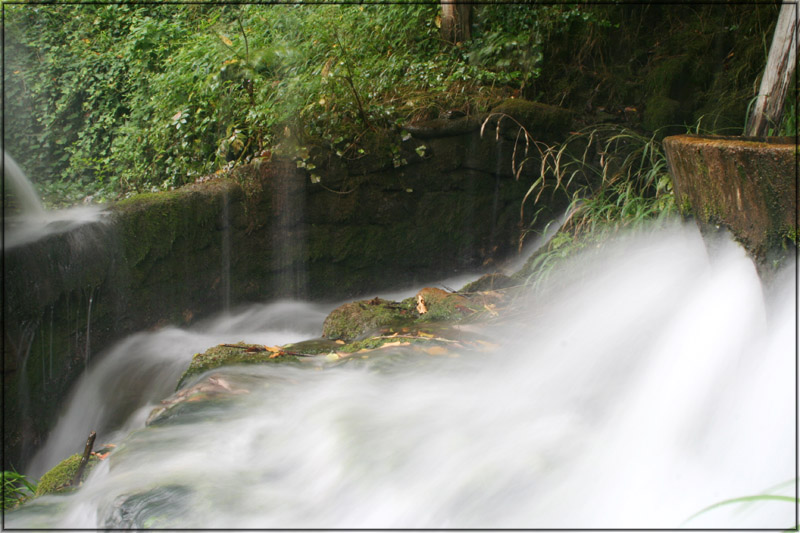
(58, 478)
(488, 282)
(443, 305)
(349, 321)
(660, 111)
(540, 120)
(231, 354)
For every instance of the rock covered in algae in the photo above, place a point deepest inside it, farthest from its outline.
(489, 282)
(233, 354)
(59, 478)
(439, 304)
(351, 320)
(540, 120)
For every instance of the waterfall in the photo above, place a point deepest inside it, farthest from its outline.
(641, 384)
(22, 188)
(32, 221)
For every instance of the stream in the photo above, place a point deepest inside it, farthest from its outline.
(643, 383)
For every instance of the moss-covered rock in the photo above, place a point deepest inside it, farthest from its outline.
(542, 121)
(660, 110)
(233, 354)
(443, 127)
(59, 478)
(439, 304)
(349, 321)
(489, 282)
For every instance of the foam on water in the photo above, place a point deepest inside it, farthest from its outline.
(643, 384)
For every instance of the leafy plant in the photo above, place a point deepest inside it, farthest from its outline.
(16, 489)
(616, 177)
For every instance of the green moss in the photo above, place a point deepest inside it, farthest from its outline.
(234, 354)
(151, 223)
(535, 117)
(790, 234)
(443, 305)
(58, 478)
(661, 111)
(351, 320)
(312, 347)
(488, 282)
(370, 343)
(666, 74)
(684, 206)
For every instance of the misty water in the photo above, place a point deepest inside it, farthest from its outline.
(31, 221)
(644, 382)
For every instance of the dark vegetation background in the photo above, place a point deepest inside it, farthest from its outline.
(108, 100)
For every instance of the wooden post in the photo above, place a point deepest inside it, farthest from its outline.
(768, 109)
(87, 451)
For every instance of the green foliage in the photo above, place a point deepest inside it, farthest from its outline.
(617, 178)
(16, 489)
(107, 99)
(510, 39)
(788, 125)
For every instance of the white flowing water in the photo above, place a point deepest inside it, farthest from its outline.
(22, 187)
(34, 222)
(643, 384)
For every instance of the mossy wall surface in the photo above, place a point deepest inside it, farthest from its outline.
(748, 185)
(263, 232)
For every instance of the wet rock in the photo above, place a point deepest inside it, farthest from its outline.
(59, 478)
(153, 508)
(349, 321)
(489, 282)
(442, 305)
(233, 354)
(213, 388)
(542, 121)
(443, 127)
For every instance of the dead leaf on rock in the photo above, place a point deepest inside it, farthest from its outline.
(436, 350)
(421, 307)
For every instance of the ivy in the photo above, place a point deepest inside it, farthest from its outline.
(107, 99)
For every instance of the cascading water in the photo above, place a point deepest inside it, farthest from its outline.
(32, 221)
(635, 389)
(21, 187)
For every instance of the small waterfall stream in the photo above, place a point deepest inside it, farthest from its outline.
(32, 221)
(643, 384)
(21, 187)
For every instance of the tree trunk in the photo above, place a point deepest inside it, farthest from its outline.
(455, 21)
(768, 109)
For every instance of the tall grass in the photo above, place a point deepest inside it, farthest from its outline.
(744, 502)
(16, 489)
(615, 178)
